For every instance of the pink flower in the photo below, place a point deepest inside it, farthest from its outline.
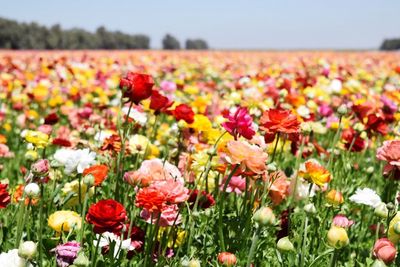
(45, 128)
(175, 192)
(66, 253)
(237, 184)
(390, 152)
(169, 216)
(249, 156)
(385, 250)
(325, 110)
(5, 152)
(341, 221)
(239, 124)
(168, 86)
(41, 167)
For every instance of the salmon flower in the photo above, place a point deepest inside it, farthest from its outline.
(276, 121)
(249, 156)
(312, 171)
(390, 152)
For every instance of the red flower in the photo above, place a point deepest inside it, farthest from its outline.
(239, 123)
(151, 199)
(51, 119)
(205, 200)
(352, 139)
(183, 112)
(5, 197)
(99, 173)
(107, 216)
(61, 142)
(158, 102)
(137, 86)
(376, 124)
(275, 121)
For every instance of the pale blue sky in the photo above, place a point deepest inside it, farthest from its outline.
(229, 24)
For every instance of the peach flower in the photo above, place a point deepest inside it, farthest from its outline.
(249, 156)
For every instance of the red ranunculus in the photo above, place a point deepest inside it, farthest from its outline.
(275, 121)
(158, 102)
(137, 86)
(107, 216)
(151, 199)
(183, 112)
(5, 197)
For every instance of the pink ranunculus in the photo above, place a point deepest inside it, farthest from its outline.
(384, 250)
(66, 253)
(41, 167)
(341, 221)
(325, 110)
(45, 128)
(174, 191)
(168, 87)
(390, 152)
(5, 151)
(169, 216)
(237, 184)
(240, 123)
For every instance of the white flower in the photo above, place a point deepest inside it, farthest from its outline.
(136, 115)
(102, 135)
(367, 197)
(11, 259)
(303, 111)
(75, 160)
(32, 190)
(108, 238)
(335, 86)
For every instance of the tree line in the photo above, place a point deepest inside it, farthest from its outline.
(391, 44)
(15, 35)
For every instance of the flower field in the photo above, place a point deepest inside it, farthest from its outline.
(153, 158)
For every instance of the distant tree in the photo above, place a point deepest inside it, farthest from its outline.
(170, 43)
(391, 44)
(196, 44)
(14, 35)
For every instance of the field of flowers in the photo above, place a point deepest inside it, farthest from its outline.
(155, 158)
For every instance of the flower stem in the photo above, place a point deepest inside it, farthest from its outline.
(253, 246)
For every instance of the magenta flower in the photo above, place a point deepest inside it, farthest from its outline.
(390, 152)
(66, 253)
(239, 124)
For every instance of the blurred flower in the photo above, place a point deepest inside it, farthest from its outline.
(205, 200)
(227, 259)
(264, 216)
(174, 192)
(384, 250)
(390, 152)
(5, 197)
(284, 244)
(27, 250)
(334, 197)
(366, 196)
(237, 184)
(183, 112)
(70, 192)
(337, 237)
(32, 190)
(108, 238)
(12, 259)
(342, 221)
(159, 103)
(66, 253)
(41, 167)
(36, 138)
(64, 221)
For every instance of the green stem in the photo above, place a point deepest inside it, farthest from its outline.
(253, 246)
(334, 258)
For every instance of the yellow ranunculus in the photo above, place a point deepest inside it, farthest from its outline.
(36, 138)
(64, 220)
(392, 235)
(337, 237)
(72, 189)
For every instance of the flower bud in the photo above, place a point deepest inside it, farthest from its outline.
(272, 167)
(334, 197)
(194, 263)
(27, 250)
(396, 228)
(310, 208)
(342, 109)
(81, 260)
(337, 237)
(390, 206)
(384, 250)
(212, 151)
(227, 259)
(264, 216)
(284, 244)
(370, 169)
(31, 155)
(378, 263)
(381, 210)
(88, 180)
(32, 190)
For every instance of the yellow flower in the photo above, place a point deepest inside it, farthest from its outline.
(334, 197)
(312, 171)
(64, 220)
(337, 237)
(138, 144)
(392, 235)
(71, 192)
(36, 138)
(201, 123)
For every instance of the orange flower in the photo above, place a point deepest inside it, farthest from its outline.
(279, 188)
(334, 197)
(250, 156)
(315, 173)
(18, 193)
(99, 173)
(275, 121)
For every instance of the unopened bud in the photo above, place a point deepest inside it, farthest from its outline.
(81, 260)
(370, 169)
(378, 263)
(396, 228)
(88, 180)
(337, 237)
(227, 259)
(264, 216)
(342, 109)
(381, 210)
(310, 208)
(27, 250)
(32, 190)
(284, 244)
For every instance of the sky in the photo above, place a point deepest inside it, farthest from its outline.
(227, 24)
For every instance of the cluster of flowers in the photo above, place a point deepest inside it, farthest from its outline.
(195, 159)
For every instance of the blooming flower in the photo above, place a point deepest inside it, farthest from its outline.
(239, 124)
(169, 216)
(250, 156)
(385, 250)
(366, 196)
(137, 86)
(36, 138)
(64, 221)
(183, 112)
(312, 171)
(342, 221)
(108, 238)
(390, 152)
(275, 121)
(237, 184)
(107, 216)
(66, 253)
(150, 199)
(75, 160)
(5, 197)
(99, 173)
(12, 259)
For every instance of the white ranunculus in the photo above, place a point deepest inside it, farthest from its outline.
(136, 115)
(367, 197)
(11, 259)
(75, 160)
(108, 238)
